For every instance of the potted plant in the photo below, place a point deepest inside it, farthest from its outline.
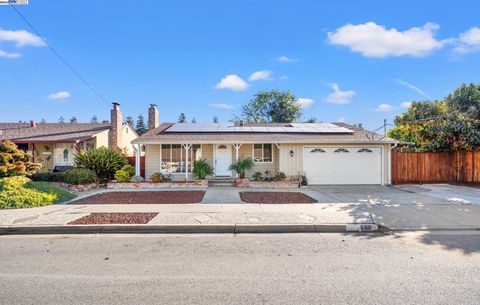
(240, 167)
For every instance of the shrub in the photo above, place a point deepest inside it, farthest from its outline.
(122, 176)
(14, 194)
(280, 176)
(137, 179)
(157, 177)
(241, 166)
(202, 169)
(80, 176)
(49, 177)
(103, 161)
(257, 176)
(14, 162)
(129, 169)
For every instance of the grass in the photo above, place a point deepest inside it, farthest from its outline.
(62, 194)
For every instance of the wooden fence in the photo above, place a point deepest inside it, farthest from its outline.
(461, 167)
(131, 160)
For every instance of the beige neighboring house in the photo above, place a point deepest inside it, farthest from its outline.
(55, 145)
(326, 153)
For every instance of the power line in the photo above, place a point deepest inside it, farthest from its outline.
(60, 57)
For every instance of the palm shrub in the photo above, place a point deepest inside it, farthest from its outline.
(241, 166)
(202, 169)
(103, 161)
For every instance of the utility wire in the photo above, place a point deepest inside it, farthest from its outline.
(60, 57)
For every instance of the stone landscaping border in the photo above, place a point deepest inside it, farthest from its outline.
(157, 185)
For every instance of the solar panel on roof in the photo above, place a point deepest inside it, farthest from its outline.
(230, 127)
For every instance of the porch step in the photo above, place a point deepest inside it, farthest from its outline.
(221, 182)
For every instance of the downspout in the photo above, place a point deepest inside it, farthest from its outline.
(390, 163)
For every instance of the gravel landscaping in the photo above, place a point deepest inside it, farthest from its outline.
(276, 197)
(154, 197)
(114, 218)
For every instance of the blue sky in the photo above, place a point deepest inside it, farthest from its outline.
(358, 61)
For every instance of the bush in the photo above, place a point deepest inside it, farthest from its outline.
(14, 162)
(129, 169)
(157, 177)
(202, 169)
(80, 176)
(14, 194)
(103, 161)
(241, 166)
(122, 176)
(280, 176)
(137, 179)
(49, 177)
(257, 176)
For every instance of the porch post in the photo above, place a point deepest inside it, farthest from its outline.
(237, 147)
(137, 159)
(187, 147)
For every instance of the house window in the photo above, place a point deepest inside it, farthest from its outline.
(262, 153)
(341, 150)
(365, 150)
(317, 150)
(174, 157)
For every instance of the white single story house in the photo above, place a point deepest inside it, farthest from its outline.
(326, 153)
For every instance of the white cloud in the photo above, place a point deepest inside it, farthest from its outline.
(21, 38)
(338, 96)
(305, 102)
(232, 82)
(285, 59)
(384, 108)
(406, 104)
(468, 41)
(410, 86)
(372, 40)
(222, 106)
(261, 75)
(61, 95)
(9, 55)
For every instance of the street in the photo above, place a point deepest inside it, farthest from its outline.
(409, 268)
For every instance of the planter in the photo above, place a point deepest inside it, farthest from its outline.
(242, 182)
(157, 185)
(78, 188)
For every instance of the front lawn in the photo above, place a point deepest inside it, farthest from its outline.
(62, 194)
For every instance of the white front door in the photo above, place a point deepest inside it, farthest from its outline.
(223, 159)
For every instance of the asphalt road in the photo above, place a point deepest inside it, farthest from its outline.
(440, 268)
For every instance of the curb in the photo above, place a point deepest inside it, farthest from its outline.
(188, 229)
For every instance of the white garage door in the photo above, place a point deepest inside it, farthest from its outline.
(343, 165)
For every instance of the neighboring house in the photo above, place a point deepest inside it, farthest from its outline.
(326, 153)
(56, 144)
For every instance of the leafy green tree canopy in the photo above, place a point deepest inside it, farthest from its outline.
(272, 106)
(182, 118)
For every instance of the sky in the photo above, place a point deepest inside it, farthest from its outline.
(352, 61)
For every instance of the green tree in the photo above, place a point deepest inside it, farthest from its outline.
(43, 121)
(194, 120)
(61, 119)
(14, 162)
(130, 121)
(272, 106)
(182, 118)
(215, 119)
(94, 119)
(311, 120)
(73, 120)
(141, 128)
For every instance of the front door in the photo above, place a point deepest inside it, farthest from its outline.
(223, 159)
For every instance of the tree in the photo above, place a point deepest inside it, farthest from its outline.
(14, 162)
(94, 119)
(272, 106)
(182, 118)
(193, 120)
(43, 121)
(311, 120)
(215, 119)
(130, 121)
(141, 128)
(61, 120)
(73, 120)
(446, 125)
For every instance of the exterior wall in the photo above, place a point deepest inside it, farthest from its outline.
(291, 166)
(207, 153)
(128, 135)
(102, 139)
(246, 152)
(152, 160)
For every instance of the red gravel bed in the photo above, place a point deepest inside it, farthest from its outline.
(154, 197)
(276, 197)
(114, 218)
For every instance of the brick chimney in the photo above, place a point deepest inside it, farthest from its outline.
(32, 124)
(152, 116)
(116, 131)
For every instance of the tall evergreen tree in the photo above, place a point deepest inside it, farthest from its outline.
(73, 120)
(43, 121)
(94, 119)
(141, 128)
(193, 120)
(182, 118)
(61, 120)
(215, 119)
(130, 121)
